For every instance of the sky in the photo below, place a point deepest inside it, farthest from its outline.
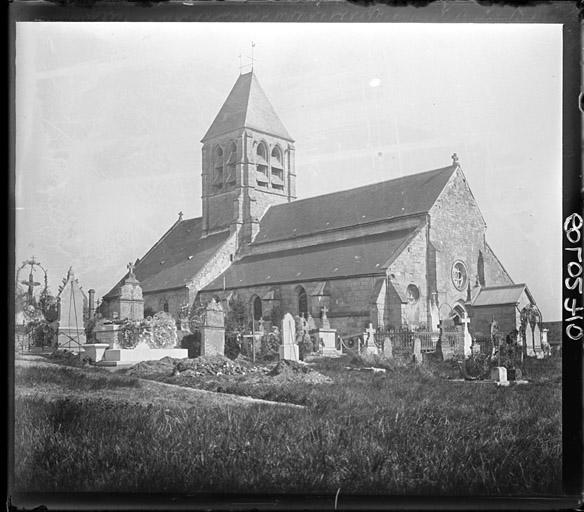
(109, 118)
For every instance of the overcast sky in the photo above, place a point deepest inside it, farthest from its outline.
(109, 118)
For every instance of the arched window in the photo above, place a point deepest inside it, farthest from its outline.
(481, 269)
(413, 294)
(231, 178)
(218, 168)
(277, 169)
(165, 307)
(302, 301)
(256, 308)
(262, 165)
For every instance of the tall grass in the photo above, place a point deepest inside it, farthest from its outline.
(404, 432)
(74, 378)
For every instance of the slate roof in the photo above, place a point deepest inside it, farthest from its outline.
(506, 294)
(182, 241)
(247, 106)
(390, 199)
(358, 256)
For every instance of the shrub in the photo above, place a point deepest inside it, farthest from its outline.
(270, 344)
(192, 342)
(157, 332)
(42, 332)
(232, 345)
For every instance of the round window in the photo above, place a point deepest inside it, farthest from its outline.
(412, 293)
(459, 275)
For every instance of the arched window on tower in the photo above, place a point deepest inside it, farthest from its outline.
(262, 165)
(231, 178)
(277, 169)
(302, 301)
(218, 168)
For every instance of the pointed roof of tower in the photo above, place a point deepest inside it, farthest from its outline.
(247, 106)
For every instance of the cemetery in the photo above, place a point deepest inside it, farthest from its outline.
(367, 410)
(265, 347)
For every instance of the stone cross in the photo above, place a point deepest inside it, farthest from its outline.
(370, 347)
(370, 334)
(467, 337)
(131, 267)
(261, 325)
(325, 321)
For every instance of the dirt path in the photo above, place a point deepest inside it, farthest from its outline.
(149, 391)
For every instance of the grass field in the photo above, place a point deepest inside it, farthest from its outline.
(406, 431)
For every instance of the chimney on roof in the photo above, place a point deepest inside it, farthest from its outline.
(91, 303)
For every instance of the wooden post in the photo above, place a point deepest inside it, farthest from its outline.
(253, 340)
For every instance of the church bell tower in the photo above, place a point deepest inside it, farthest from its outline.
(248, 162)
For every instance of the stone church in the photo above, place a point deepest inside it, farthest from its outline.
(410, 251)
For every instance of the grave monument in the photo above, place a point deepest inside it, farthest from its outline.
(370, 346)
(289, 349)
(328, 336)
(213, 330)
(72, 309)
(128, 301)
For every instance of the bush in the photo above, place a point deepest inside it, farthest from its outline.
(232, 345)
(42, 332)
(157, 332)
(270, 345)
(192, 342)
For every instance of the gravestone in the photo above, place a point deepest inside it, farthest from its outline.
(417, 350)
(213, 330)
(499, 374)
(328, 337)
(370, 346)
(537, 345)
(289, 349)
(387, 348)
(529, 340)
(128, 301)
(310, 323)
(545, 345)
(72, 307)
(467, 337)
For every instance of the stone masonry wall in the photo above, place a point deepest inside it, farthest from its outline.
(457, 231)
(495, 274)
(506, 315)
(174, 298)
(410, 268)
(350, 306)
(215, 266)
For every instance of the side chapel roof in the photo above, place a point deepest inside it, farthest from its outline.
(505, 294)
(176, 258)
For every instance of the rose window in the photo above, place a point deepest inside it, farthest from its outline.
(459, 275)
